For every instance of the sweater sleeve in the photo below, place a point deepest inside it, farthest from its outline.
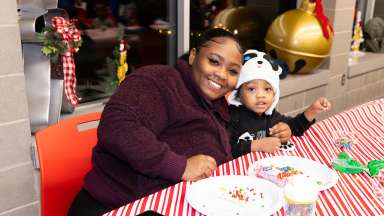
(298, 124)
(238, 147)
(131, 121)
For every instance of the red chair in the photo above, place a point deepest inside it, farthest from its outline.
(64, 157)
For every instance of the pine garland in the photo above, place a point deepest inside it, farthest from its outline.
(53, 44)
(116, 64)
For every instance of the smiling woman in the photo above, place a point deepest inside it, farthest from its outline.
(163, 125)
(216, 74)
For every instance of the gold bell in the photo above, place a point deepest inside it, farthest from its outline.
(296, 37)
(244, 22)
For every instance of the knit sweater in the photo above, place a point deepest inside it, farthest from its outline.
(157, 118)
(246, 126)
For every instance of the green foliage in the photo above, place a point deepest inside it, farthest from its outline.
(53, 44)
(113, 63)
(112, 68)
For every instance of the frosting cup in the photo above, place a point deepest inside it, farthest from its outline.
(300, 197)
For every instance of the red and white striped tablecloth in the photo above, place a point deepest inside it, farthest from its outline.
(352, 195)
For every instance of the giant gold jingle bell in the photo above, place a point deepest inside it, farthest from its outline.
(296, 37)
(245, 23)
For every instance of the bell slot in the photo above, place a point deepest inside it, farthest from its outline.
(299, 64)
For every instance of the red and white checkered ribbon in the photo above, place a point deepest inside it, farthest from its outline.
(70, 34)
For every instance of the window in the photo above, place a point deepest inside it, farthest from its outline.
(248, 19)
(157, 32)
(379, 9)
(365, 10)
(373, 8)
(148, 26)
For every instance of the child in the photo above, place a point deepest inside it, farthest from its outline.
(255, 124)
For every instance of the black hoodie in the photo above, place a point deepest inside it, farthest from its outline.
(247, 125)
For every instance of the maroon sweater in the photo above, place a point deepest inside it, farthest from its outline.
(156, 120)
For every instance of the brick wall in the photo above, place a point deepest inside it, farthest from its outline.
(365, 87)
(18, 188)
(347, 84)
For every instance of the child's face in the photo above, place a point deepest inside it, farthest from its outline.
(257, 95)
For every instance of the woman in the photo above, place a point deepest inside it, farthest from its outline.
(163, 125)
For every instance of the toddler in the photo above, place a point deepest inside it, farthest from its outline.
(255, 124)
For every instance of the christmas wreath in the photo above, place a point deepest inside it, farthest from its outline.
(62, 39)
(62, 36)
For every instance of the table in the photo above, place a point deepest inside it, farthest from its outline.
(352, 195)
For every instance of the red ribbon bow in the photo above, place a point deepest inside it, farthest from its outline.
(70, 34)
(322, 19)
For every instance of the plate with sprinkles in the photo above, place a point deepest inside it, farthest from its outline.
(279, 169)
(234, 195)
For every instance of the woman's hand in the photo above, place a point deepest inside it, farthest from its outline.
(199, 167)
(282, 131)
(267, 144)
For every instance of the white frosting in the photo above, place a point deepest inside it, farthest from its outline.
(300, 190)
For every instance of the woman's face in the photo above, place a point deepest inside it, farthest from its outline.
(216, 67)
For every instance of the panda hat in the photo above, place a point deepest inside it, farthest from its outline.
(258, 65)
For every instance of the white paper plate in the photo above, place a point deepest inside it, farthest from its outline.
(321, 175)
(211, 196)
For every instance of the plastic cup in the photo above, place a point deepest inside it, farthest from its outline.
(344, 139)
(300, 197)
(378, 185)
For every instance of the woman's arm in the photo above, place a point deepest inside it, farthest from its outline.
(131, 121)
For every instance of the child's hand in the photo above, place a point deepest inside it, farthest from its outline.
(320, 105)
(267, 144)
(282, 131)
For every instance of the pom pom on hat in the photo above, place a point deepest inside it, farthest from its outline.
(258, 65)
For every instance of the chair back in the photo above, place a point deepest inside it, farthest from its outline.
(65, 157)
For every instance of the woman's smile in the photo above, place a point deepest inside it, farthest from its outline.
(214, 85)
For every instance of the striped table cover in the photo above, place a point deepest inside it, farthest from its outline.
(352, 195)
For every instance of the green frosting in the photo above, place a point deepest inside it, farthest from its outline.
(375, 166)
(345, 164)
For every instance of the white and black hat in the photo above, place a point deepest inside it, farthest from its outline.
(258, 65)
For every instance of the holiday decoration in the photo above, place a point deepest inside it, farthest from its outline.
(302, 37)
(245, 23)
(357, 34)
(374, 29)
(123, 65)
(118, 63)
(62, 39)
(357, 38)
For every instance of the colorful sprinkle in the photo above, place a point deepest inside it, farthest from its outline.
(240, 194)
